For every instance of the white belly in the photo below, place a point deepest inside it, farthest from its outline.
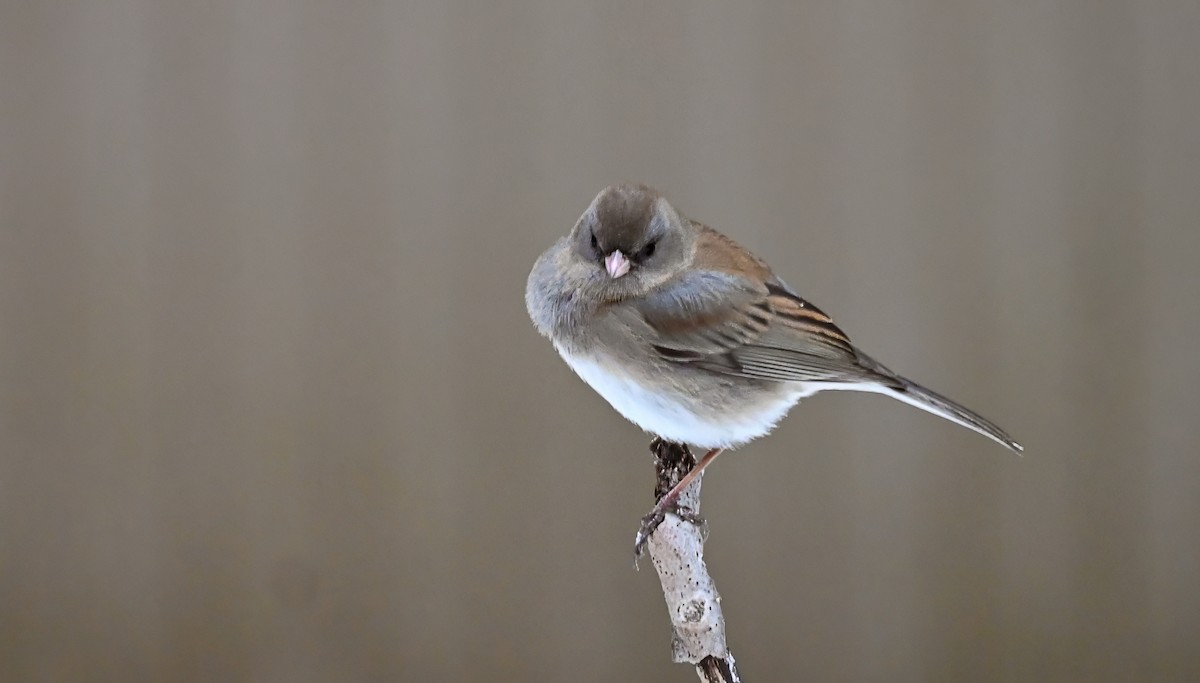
(675, 417)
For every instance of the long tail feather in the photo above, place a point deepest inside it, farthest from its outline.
(914, 394)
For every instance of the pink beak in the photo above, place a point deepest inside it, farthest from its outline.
(616, 264)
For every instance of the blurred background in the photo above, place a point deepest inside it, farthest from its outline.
(271, 408)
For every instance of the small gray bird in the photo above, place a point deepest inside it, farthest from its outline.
(692, 337)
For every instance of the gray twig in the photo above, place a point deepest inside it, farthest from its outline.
(677, 550)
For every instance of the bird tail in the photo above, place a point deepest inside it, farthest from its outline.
(884, 381)
(926, 399)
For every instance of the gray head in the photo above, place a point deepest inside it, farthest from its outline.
(633, 239)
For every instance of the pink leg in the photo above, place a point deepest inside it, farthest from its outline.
(669, 502)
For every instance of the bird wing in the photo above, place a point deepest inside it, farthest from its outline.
(732, 316)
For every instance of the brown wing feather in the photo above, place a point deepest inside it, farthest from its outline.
(746, 327)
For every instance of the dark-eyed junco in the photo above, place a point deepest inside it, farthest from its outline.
(692, 337)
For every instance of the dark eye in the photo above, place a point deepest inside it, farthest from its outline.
(648, 250)
(595, 242)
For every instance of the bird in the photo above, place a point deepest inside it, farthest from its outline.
(694, 338)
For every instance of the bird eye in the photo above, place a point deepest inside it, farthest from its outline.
(648, 250)
(595, 242)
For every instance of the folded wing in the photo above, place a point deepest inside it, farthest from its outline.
(733, 316)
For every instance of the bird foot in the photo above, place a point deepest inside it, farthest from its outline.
(651, 522)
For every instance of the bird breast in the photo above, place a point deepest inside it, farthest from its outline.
(720, 415)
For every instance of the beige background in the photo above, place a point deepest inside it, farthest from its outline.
(272, 409)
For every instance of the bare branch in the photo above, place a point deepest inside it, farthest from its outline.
(677, 550)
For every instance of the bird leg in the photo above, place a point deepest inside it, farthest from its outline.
(669, 501)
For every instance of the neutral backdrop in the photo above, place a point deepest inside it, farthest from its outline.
(271, 408)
